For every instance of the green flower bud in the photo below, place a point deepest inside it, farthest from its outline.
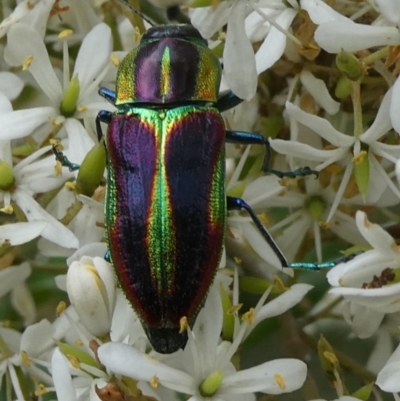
(211, 384)
(91, 170)
(71, 95)
(6, 176)
(315, 207)
(349, 65)
(343, 88)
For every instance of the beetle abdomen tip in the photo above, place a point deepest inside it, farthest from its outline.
(166, 340)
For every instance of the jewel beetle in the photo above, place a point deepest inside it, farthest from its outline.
(165, 205)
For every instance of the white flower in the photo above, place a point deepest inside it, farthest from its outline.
(25, 46)
(336, 32)
(365, 281)
(12, 276)
(203, 370)
(20, 182)
(26, 353)
(308, 209)
(347, 150)
(91, 286)
(32, 12)
(266, 20)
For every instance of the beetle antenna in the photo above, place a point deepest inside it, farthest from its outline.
(136, 12)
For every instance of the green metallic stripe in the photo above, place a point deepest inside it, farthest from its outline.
(165, 84)
(161, 235)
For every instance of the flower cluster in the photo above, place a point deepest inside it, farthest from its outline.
(319, 82)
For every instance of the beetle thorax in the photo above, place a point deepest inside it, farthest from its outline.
(169, 70)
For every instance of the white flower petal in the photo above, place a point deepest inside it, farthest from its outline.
(388, 377)
(382, 350)
(5, 104)
(24, 41)
(208, 20)
(317, 88)
(54, 231)
(38, 17)
(10, 84)
(378, 238)
(79, 140)
(23, 302)
(390, 9)
(95, 249)
(125, 360)
(337, 36)
(274, 45)
(239, 61)
(307, 152)
(321, 13)
(20, 123)
(257, 242)
(395, 106)
(62, 379)
(23, 8)
(261, 189)
(365, 320)
(93, 55)
(274, 377)
(284, 302)
(88, 294)
(12, 276)
(382, 300)
(43, 330)
(382, 123)
(290, 240)
(207, 327)
(109, 279)
(20, 233)
(320, 126)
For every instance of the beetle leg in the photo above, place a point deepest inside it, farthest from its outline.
(108, 94)
(239, 204)
(228, 100)
(251, 138)
(105, 117)
(64, 160)
(324, 265)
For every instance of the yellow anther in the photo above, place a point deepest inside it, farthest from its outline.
(61, 308)
(25, 358)
(154, 382)
(183, 323)
(280, 380)
(249, 316)
(115, 60)
(65, 33)
(233, 309)
(27, 62)
(359, 158)
(7, 209)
